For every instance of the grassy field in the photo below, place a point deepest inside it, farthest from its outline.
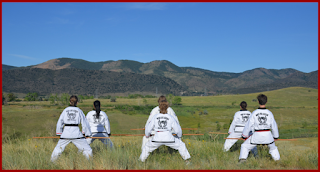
(295, 110)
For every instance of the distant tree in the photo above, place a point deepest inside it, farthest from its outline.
(64, 99)
(53, 99)
(11, 97)
(113, 99)
(225, 126)
(176, 100)
(4, 99)
(145, 101)
(31, 96)
(170, 99)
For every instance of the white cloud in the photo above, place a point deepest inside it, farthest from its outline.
(22, 56)
(146, 6)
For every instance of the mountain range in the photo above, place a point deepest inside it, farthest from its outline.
(187, 80)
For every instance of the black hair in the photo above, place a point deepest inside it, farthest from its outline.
(243, 105)
(262, 99)
(96, 104)
(73, 100)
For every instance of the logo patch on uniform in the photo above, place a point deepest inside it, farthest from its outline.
(245, 117)
(71, 115)
(162, 122)
(262, 118)
(96, 120)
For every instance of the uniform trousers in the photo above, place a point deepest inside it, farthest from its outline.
(230, 142)
(81, 144)
(247, 146)
(177, 145)
(105, 141)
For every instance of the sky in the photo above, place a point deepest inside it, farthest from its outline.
(222, 37)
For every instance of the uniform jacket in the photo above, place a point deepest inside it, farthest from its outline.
(156, 110)
(72, 116)
(162, 125)
(98, 125)
(239, 121)
(264, 127)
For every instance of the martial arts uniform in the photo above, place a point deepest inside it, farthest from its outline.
(155, 111)
(239, 120)
(265, 130)
(162, 125)
(70, 118)
(100, 127)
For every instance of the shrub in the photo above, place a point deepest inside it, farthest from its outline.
(31, 96)
(11, 97)
(176, 100)
(113, 99)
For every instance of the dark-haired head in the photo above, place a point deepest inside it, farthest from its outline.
(243, 105)
(162, 98)
(262, 99)
(73, 100)
(163, 105)
(96, 105)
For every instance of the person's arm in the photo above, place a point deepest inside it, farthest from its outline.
(152, 113)
(149, 127)
(248, 127)
(177, 128)
(60, 123)
(274, 128)
(232, 125)
(85, 124)
(107, 123)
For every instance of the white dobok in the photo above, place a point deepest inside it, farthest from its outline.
(100, 127)
(162, 124)
(155, 111)
(68, 130)
(265, 129)
(239, 121)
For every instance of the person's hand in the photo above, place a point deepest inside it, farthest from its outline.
(245, 138)
(147, 136)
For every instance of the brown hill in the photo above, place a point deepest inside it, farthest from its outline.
(195, 79)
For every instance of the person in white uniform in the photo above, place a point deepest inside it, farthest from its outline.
(155, 111)
(162, 124)
(235, 131)
(70, 119)
(99, 125)
(265, 131)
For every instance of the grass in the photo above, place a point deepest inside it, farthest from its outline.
(35, 154)
(295, 110)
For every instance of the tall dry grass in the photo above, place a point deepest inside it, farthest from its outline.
(35, 154)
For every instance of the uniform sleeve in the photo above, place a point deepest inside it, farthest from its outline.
(274, 128)
(107, 123)
(85, 124)
(60, 124)
(171, 112)
(233, 124)
(152, 113)
(248, 127)
(177, 128)
(149, 126)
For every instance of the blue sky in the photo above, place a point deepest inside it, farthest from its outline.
(223, 37)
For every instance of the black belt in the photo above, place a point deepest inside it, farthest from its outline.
(263, 130)
(71, 124)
